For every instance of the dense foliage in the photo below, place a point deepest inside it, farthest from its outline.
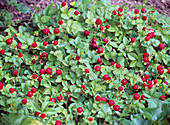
(86, 63)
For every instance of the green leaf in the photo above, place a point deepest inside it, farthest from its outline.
(45, 19)
(132, 56)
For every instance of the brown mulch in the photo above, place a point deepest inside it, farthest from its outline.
(162, 6)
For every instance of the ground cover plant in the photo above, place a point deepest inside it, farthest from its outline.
(86, 63)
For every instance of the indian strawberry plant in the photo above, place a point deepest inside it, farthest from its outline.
(86, 63)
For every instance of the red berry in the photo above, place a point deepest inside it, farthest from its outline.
(159, 67)
(146, 76)
(114, 12)
(145, 85)
(9, 40)
(100, 50)
(60, 22)
(2, 51)
(1, 85)
(59, 98)
(136, 11)
(119, 14)
(120, 88)
(56, 30)
(63, 4)
(58, 72)
(34, 76)
(45, 43)
(78, 57)
(112, 63)
(42, 71)
(98, 98)
(118, 66)
(97, 68)
(90, 119)
(136, 96)
(120, 9)
(36, 114)
(40, 78)
(168, 71)
(150, 86)
(111, 102)
(143, 10)
(105, 21)
(76, 12)
(87, 71)
(43, 115)
(11, 90)
(15, 72)
(44, 54)
(83, 87)
(86, 32)
(117, 108)
(19, 45)
(149, 82)
(136, 17)
(161, 71)
(145, 59)
(55, 43)
(147, 38)
(49, 71)
(106, 77)
(155, 81)
(166, 83)
(52, 100)
(143, 97)
(144, 28)
(30, 93)
(101, 28)
(135, 87)
(161, 46)
(79, 109)
(24, 101)
(20, 55)
(98, 21)
(34, 61)
(99, 60)
(33, 90)
(105, 40)
(144, 18)
(103, 99)
(124, 81)
(162, 97)
(107, 26)
(94, 45)
(45, 31)
(34, 44)
(132, 39)
(58, 122)
(94, 40)
(146, 54)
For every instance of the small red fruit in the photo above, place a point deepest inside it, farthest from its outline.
(40, 78)
(2, 51)
(9, 40)
(117, 108)
(11, 90)
(56, 30)
(114, 12)
(146, 76)
(20, 55)
(1, 85)
(33, 90)
(19, 45)
(106, 77)
(144, 28)
(15, 72)
(136, 11)
(143, 97)
(52, 100)
(43, 115)
(76, 12)
(161, 71)
(100, 50)
(63, 4)
(87, 71)
(49, 71)
(30, 93)
(112, 63)
(161, 46)
(60, 22)
(99, 60)
(120, 14)
(86, 32)
(34, 61)
(105, 40)
(118, 66)
(98, 98)
(145, 85)
(168, 71)
(124, 81)
(94, 45)
(42, 71)
(83, 87)
(90, 119)
(79, 109)
(58, 122)
(59, 98)
(34, 44)
(145, 59)
(45, 31)
(97, 68)
(120, 9)
(94, 40)
(159, 67)
(111, 102)
(24, 101)
(147, 38)
(143, 79)
(103, 99)
(143, 10)
(146, 54)
(107, 26)
(150, 86)
(120, 88)
(58, 72)
(78, 57)
(155, 81)
(136, 17)
(135, 87)
(36, 114)
(55, 43)
(144, 18)
(162, 97)
(166, 83)
(101, 28)
(45, 43)
(136, 96)
(98, 21)
(34, 76)
(132, 39)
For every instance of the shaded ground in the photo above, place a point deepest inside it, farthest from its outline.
(163, 6)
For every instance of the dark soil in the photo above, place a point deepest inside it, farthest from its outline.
(162, 6)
